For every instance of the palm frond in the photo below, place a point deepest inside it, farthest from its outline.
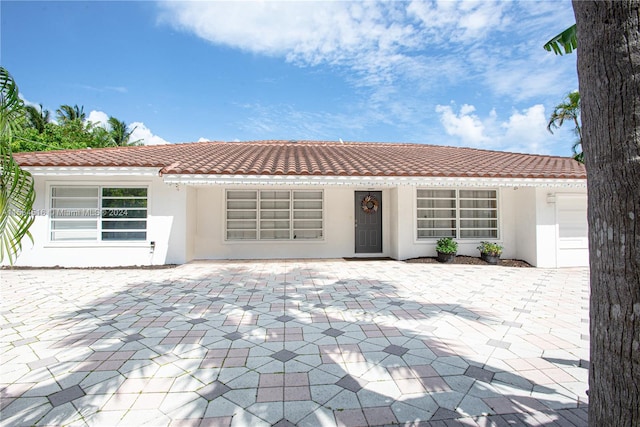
(16, 185)
(11, 106)
(566, 40)
(16, 202)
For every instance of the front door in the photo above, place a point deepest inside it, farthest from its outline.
(368, 221)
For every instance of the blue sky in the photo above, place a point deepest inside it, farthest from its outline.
(463, 73)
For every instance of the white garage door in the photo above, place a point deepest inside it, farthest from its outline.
(573, 244)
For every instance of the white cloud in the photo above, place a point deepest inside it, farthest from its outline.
(144, 135)
(464, 125)
(379, 43)
(287, 122)
(464, 22)
(524, 131)
(203, 139)
(99, 118)
(140, 132)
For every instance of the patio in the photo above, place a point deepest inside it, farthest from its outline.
(295, 342)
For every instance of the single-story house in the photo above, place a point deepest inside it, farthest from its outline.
(170, 204)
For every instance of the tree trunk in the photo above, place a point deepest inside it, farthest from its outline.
(609, 76)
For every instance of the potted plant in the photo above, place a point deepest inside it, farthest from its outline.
(490, 252)
(446, 249)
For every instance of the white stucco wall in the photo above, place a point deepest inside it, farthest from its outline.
(410, 247)
(188, 222)
(339, 231)
(557, 254)
(166, 226)
(524, 217)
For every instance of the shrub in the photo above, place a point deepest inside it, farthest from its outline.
(447, 245)
(492, 249)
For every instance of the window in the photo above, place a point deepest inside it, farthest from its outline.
(471, 214)
(98, 213)
(274, 215)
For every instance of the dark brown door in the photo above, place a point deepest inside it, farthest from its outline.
(368, 221)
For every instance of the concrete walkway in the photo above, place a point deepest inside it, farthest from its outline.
(305, 343)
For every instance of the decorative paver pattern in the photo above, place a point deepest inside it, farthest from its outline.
(352, 344)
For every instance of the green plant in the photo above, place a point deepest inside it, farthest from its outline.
(16, 185)
(447, 245)
(488, 248)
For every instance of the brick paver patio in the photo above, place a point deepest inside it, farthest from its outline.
(304, 343)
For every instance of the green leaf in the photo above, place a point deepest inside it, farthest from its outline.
(567, 40)
(16, 185)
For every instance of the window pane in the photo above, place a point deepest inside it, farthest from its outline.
(274, 234)
(85, 235)
(241, 214)
(124, 225)
(440, 215)
(274, 214)
(124, 235)
(478, 213)
(307, 204)
(307, 214)
(478, 204)
(275, 209)
(477, 194)
(123, 213)
(68, 203)
(241, 204)
(314, 195)
(478, 223)
(124, 192)
(436, 203)
(274, 195)
(436, 213)
(235, 195)
(124, 203)
(241, 225)
(68, 213)
(241, 235)
(307, 225)
(479, 234)
(74, 225)
(270, 225)
(75, 192)
(74, 213)
(437, 194)
(425, 223)
(274, 204)
(436, 233)
(307, 234)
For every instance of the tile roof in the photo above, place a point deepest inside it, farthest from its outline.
(315, 158)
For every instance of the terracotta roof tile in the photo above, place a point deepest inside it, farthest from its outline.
(315, 158)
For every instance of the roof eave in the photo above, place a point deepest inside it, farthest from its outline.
(91, 171)
(370, 181)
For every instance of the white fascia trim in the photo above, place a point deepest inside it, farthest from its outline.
(370, 181)
(90, 171)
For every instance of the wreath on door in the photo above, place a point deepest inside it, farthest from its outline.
(370, 204)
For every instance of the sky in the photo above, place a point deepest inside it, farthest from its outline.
(460, 73)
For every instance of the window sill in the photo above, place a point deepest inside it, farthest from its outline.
(94, 244)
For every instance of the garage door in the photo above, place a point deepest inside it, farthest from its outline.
(573, 244)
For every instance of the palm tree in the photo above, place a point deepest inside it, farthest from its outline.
(569, 109)
(16, 185)
(119, 134)
(37, 118)
(67, 113)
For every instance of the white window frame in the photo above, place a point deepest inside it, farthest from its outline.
(94, 213)
(458, 219)
(251, 219)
